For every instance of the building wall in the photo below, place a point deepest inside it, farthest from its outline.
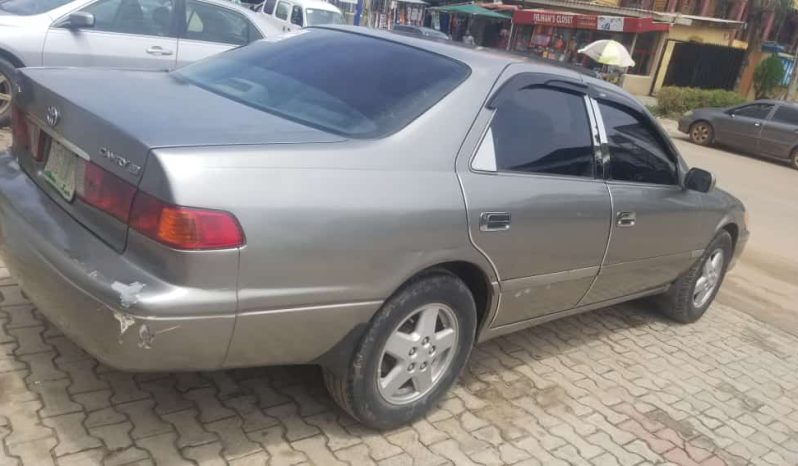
(696, 33)
(637, 84)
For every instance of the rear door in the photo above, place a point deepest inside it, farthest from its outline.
(535, 207)
(126, 34)
(741, 127)
(211, 29)
(780, 133)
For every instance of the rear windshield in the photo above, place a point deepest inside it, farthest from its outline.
(344, 83)
(319, 17)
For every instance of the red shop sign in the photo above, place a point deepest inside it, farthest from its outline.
(554, 18)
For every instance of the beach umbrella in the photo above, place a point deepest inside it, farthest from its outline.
(608, 52)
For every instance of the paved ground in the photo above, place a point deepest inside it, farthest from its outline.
(616, 386)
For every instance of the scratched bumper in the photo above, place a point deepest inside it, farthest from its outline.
(64, 270)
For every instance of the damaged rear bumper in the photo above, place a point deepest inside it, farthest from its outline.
(119, 313)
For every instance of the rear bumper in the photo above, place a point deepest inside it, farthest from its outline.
(119, 313)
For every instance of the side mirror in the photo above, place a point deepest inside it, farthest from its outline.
(699, 180)
(79, 20)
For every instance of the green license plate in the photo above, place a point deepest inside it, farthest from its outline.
(60, 169)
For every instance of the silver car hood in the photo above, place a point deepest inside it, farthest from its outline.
(158, 110)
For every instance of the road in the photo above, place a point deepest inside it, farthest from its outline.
(765, 281)
(618, 386)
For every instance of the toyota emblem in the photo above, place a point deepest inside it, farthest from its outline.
(52, 116)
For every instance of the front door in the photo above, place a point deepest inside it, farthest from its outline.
(126, 34)
(535, 208)
(780, 134)
(656, 223)
(740, 128)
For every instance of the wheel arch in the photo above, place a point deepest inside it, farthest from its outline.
(734, 231)
(13, 59)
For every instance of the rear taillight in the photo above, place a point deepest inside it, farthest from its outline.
(184, 227)
(19, 128)
(103, 190)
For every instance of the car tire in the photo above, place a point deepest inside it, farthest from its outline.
(794, 158)
(7, 70)
(691, 294)
(431, 311)
(701, 133)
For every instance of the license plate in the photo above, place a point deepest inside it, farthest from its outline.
(60, 169)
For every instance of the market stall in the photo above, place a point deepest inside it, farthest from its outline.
(469, 23)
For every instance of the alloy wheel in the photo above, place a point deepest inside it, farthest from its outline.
(5, 93)
(711, 274)
(700, 133)
(417, 354)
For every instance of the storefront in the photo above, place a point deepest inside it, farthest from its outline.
(557, 35)
(383, 14)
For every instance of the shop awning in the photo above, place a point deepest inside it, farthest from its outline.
(470, 9)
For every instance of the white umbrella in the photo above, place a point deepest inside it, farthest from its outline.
(608, 52)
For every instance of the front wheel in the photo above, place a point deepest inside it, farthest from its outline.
(692, 293)
(411, 353)
(6, 86)
(701, 133)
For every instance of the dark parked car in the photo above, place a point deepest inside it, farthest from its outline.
(765, 127)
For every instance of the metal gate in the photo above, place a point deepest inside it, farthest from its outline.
(706, 66)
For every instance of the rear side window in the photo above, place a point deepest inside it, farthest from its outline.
(282, 11)
(344, 83)
(214, 24)
(787, 115)
(637, 153)
(542, 130)
(268, 7)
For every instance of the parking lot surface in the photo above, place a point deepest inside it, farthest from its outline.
(617, 386)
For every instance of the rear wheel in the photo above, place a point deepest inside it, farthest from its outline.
(411, 354)
(692, 293)
(701, 133)
(6, 86)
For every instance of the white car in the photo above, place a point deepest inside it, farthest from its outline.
(292, 15)
(143, 34)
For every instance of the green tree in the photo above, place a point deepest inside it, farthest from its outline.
(757, 12)
(767, 76)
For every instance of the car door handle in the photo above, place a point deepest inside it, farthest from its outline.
(757, 124)
(494, 221)
(159, 51)
(626, 219)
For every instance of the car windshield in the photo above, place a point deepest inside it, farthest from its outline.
(30, 7)
(344, 83)
(319, 17)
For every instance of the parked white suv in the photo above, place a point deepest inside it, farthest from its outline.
(146, 34)
(292, 15)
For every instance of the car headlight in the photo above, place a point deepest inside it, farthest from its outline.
(687, 113)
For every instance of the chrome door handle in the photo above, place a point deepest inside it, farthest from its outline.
(158, 50)
(494, 221)
(757, 124)
(626, 219)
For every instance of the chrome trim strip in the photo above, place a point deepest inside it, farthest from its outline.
(58, 138)
(310, 308)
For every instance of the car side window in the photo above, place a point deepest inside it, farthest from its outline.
(758, 111)
(787, 115)
(282, 11)
(296, 15)
(637, 152)
(268, 7)
(140, 17)
(210, 23)
(543, 130)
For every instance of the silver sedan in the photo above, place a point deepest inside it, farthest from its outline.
(376, 207)
(145, 34)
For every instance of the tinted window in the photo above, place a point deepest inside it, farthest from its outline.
(786, 114)
(30, 7)
(282, 11)
(759, 111)
(345, 83)
(541, 130)
(141, 17)
(636, 150)
(268, 7)
(215, 24)
(296, 15)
